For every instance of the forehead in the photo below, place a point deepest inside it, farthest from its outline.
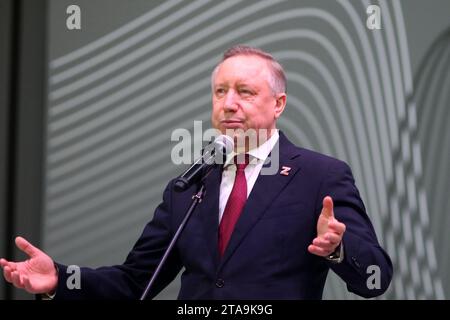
(252, 69)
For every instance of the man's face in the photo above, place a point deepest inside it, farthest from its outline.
(242, 97)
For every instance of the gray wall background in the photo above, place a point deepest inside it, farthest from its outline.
(137, 70)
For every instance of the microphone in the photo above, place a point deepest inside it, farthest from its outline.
(214, 153)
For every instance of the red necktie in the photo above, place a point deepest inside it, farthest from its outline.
(235, 203)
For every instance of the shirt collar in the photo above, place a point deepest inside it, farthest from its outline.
(260, 153)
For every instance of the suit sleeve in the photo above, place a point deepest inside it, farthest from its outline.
(364, 258)
(127, 281)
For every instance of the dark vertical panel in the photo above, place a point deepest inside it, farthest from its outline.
(4, 57)
(6, 110)
(28, 87)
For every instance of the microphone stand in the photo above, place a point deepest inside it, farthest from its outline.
(196, 199)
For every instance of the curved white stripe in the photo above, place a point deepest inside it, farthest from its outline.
(377, 107)
(166, 5)
(322, 103)
(395, 70)
(293, 130)
(311, 122)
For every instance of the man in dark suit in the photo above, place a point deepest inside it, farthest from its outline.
(255, 235)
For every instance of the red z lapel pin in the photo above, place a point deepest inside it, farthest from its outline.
(285, 170)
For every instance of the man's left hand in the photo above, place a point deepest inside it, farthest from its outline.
(329, 231)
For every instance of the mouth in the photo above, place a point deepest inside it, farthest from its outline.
(232, 123)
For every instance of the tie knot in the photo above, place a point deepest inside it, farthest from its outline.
(241, 161)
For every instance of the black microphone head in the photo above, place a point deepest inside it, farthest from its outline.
(213, 154)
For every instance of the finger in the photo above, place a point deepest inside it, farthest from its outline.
(324, 244)
(21, 281)
(327, 208)
(16, 279)
(321, 242)
(318, 251)
(333, 238)
(336, 226)
(27, 247)
(27, 284)
(6, 263)
(7, 274)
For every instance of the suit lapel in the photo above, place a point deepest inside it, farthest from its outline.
(265, 190)
(209, 211)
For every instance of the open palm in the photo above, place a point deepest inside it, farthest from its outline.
(36, 274)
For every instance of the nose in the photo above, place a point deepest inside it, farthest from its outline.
(231, 101)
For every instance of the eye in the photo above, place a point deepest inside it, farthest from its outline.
(220, 92)
(246, 92)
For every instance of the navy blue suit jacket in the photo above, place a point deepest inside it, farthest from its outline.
(267, 256)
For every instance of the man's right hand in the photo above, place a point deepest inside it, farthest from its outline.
(36, 275)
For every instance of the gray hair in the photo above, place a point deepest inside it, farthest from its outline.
(277, 79)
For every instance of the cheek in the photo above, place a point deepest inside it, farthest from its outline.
(269, 110)
(216, 105)
(215, 114)
(253, 113)
(260, 119)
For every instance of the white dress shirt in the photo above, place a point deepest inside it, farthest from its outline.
(257, 158)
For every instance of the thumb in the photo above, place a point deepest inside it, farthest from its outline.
(27, 247)
(327, 209)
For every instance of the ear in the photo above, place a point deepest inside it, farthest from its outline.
(280, 103)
